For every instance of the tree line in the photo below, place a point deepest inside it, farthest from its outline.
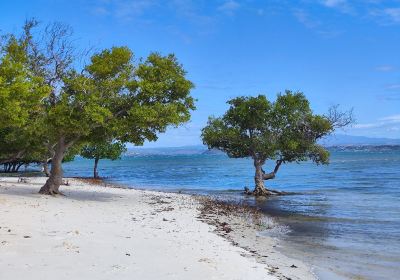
(54, 105)
(57, 102)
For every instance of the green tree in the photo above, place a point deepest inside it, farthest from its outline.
(113, 95)
(131, 102)
(283, 131)
(102, 150)
(21, 96)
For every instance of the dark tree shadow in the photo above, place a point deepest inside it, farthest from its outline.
(70, 193)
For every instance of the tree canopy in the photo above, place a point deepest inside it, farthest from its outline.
(285, 131)
(130, 102)
(21, 102)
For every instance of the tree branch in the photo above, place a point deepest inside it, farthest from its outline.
(340, 119)
(271, 175)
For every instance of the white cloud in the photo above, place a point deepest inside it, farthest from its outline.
(123, 9)
(393, 14)
(260, 12)
(100, 11)
(304, 18)
(191, 11)
(341, 5)
(392, 118)
(389, 123)
(141, 12)
(314, 24)
(385, 68)
(367, 125)
(229, 7)
(334, 3)
(130, 9)
(393, 87)
(385, 16)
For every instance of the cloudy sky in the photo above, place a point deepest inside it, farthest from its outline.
(335, 51)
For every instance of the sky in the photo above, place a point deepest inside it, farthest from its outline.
(335, 51)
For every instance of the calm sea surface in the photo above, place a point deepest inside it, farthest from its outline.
(345, 217)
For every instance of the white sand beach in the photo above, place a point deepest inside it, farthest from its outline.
(98, 232)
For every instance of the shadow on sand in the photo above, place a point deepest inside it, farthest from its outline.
(31, 189)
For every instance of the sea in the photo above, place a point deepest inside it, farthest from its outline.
(343, 218)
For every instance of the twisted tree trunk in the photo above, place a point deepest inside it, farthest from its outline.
(259, 189)
(19, 166)
(52, 185)
(260, 176)
(95, 173)
(14, 167)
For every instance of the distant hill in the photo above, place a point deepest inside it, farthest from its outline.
(332, 141)
(349, 140)
(185, 150)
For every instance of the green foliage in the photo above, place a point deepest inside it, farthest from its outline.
(103, 150)
(21, 104)
(123, 101)
(285, 130)
(21, 92)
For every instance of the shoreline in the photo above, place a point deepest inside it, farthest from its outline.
(243, 226)
(192, 241)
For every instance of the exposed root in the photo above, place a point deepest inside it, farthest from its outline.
(259, 192)
(50, 190)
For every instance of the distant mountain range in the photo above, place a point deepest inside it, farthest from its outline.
(349, 140)
(332, 141)
(184, 150)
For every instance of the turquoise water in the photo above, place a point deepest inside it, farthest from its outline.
(344, 218)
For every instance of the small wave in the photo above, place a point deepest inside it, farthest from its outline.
(278, 231)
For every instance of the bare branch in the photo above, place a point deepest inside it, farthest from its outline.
(340, 119)
(59, 49)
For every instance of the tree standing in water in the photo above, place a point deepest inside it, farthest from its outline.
(283, 131)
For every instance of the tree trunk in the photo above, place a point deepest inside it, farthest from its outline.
(55, 180)
(19, 166)
(260, 176)
(259, 189)
(95, 173)
(46, 171)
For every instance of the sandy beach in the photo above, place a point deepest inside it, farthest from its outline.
(98, 232)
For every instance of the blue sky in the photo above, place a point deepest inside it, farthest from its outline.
(335, 51)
